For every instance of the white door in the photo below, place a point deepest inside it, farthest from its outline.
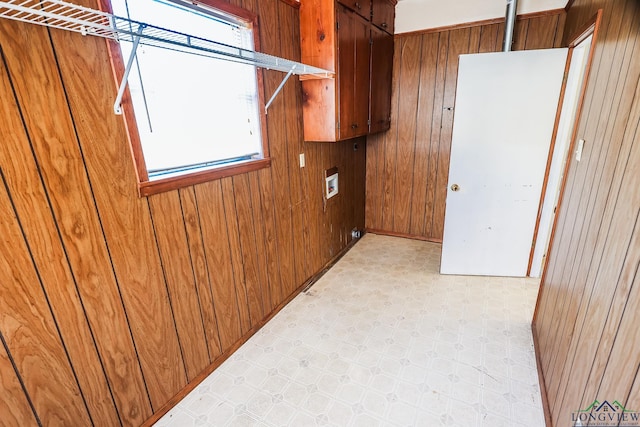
(504, 116)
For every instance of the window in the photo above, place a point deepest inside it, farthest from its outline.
(197, 118)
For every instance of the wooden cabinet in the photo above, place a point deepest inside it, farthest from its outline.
(361, 7)
(381, 68)
(353, 74)
(337, 36)
(383, 14)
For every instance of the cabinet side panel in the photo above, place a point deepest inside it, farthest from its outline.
(319, 109)
(317, 34)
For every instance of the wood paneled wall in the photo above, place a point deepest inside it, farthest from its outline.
(588, 312)
(110, 304)
(408, 166)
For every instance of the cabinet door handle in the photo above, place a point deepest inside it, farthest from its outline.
(384, 25)
(354, 126)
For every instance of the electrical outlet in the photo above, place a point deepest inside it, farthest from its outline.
(302, 162)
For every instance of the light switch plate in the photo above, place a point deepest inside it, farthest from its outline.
(302, 162)
(579, 150)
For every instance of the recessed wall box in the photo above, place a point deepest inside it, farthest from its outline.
(331, 181)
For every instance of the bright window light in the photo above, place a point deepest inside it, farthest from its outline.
(192, 112)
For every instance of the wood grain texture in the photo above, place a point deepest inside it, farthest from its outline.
(458, 44)
(217, 251)
(595, 175)
(422, 148)
(200, 268)
(436, 130)
(170, 233)
(135, 260)
(288, 19)
(406, 191)
(31, 203)
(248, 249)
(14, 406)
(408, 91)
(235, 249)
(64, 178)
(578, 250)
(30, 331)
(130, 298)
(589, 293)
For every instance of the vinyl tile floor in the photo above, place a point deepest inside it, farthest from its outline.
(382, 339)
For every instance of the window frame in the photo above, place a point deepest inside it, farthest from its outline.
(148, 187)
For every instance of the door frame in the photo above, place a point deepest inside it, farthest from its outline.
(591, 28)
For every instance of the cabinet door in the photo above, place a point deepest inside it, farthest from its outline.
(383, 14)
(381, 67)
(353, 74)
(362, 77)
(361, 7)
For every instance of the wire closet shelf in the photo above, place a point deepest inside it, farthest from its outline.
(86, 21)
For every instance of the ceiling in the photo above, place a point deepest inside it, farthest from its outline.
(415, 15)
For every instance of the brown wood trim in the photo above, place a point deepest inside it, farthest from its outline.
(224, 356)
(552, 147)
(586, 30)
(594, 23)
(292, 3)
(543, 388)
(117, 66)
(403, 235)
(491, 21)
(231, 9)
(149, 188)
(569, 4)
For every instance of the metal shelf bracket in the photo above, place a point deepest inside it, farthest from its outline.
(266, 107)
(117, 107)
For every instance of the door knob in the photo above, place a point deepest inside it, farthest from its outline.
(455, 187)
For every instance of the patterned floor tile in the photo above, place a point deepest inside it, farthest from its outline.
(382, 340)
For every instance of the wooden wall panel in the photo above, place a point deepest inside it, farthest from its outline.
(21, 173)
(247, 232)
(408, 91)
(30, 331)
(589, 295)
(237, 263)
(408, 166)
(67, 191)
(123, 300)
(424, 108)
(218, 256)
(596, 175)
(14, 406)
(136, 259)
(458, 44)
(200, 268)
(171, 238)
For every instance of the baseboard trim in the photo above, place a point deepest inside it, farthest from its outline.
(224, 356)
(403, 235)
(543, 388)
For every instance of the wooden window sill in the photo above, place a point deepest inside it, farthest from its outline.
(148, 188)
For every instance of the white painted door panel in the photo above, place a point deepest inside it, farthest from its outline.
(504, 116)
